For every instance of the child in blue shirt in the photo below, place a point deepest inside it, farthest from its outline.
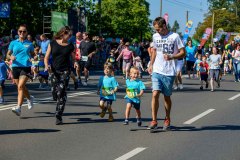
(197, 64)
(107, 88)
(134, 90)
(42, 74)
(3, 74)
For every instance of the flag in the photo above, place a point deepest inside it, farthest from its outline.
(205, 36)
(165, 16)
(187, 31)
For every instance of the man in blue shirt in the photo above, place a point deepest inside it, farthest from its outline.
(44, 44)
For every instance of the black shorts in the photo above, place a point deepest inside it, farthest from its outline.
(86, 64)
(45, 77)
(204, 77)
(190, 65)
(21, 71)
(2, 83)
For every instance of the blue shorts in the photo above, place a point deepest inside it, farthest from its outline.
(109, 101)
(135, 105)
(162, 83)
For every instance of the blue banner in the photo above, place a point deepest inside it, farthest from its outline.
(4, 10)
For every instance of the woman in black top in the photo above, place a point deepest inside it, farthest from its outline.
(60, 50)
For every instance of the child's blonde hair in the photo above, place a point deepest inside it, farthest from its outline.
(108, 65)
(134, 69)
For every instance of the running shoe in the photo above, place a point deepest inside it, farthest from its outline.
(2, 100)
(201, 88)
(175, 87)
(102, 114)
(166, 125)
(84, 83)
(181, 86)
(17, 110)
(125, 122)
(153, 125)
(59, 120)
(30, 102)
(139, 122)
(110, 118)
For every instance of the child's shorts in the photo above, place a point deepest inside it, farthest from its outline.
(109, 101)
(135, 105)
(204, 77)
(2, 83)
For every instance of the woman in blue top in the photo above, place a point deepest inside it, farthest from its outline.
(20, 51)
(190, 58)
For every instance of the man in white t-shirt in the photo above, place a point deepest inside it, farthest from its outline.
(168, 47)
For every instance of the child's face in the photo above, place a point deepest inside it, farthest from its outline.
(134, 74)
(204, 59)
(107, 71)
(199, 57)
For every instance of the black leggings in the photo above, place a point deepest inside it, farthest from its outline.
(59, 82)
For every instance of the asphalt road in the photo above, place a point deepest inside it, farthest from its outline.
(205, 125)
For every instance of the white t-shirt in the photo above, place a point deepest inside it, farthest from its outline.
(214, 61)
(168, 44)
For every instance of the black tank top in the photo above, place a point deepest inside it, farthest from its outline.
(61, 55)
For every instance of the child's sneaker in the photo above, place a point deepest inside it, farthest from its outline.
(102, 114)
(125, 122)
(139, 122)
(16, 110)
(110, 119)
(175, 87)
(166, 125)
(206, 85)
(153, 125)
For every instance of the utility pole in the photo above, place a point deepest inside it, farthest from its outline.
(187, 16)
(160, 8)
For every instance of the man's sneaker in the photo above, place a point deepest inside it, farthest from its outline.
(84, 83)
(110, 118)
(102, 114)
(166, 125)
(201, 88)
(75, 85)
(181, 86)
(139, 122)
(206, 85)
(30, 102)
(17, 110)
(153, 125)
(125, 122)
(58, 120)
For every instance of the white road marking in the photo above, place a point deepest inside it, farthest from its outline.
(45, 100)
(131, 153)
(234, 97)
(199, 116)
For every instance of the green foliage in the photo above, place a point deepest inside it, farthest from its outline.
(175, 26)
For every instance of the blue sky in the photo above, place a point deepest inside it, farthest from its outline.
(177, 9)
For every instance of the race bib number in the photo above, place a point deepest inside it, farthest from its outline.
(202, 69)
(106, 91)
(131, 93)
(84, 58)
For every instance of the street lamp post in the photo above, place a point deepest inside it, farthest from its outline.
(213, 14)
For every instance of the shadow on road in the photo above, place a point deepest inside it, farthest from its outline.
(206, 128)
(3, 132)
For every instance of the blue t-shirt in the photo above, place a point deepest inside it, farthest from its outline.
(3, 70)
(134, 87)
(44, 46)
(190, 53)
(21, 50)
(197, 62)
(106, 85)
(41, 68)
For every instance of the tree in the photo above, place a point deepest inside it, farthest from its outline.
(175, 26)
(223, 19)
(125, 18)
